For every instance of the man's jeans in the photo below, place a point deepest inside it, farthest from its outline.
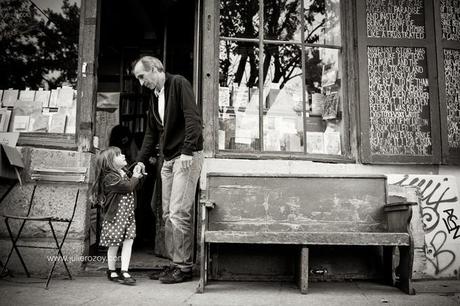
(178, 196)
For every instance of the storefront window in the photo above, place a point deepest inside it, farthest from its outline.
(239, 96)
(38, 65)
(291, 102)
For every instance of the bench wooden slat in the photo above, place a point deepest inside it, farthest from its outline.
(307, 238)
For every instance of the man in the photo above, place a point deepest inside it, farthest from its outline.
(174, 120)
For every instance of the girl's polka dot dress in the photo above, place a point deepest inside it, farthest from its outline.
(123, 226)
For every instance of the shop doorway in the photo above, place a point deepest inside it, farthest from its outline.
(166, 29)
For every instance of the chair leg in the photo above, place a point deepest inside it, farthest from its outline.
(406, 256)
(58, 247)
(303, 281)
(14, 247)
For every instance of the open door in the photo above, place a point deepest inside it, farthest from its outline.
(169, 31)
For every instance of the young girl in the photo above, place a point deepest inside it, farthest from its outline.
(113, 191)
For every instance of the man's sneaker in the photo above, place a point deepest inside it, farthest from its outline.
(176, 276)
(160, 273)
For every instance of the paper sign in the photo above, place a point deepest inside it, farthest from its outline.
(13, 155)
(10, 139)
(42, 97)
(65, 96)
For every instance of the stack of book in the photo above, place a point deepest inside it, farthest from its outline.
(45, 111)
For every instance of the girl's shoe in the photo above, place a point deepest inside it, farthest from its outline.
(112, 278)
(126, 280)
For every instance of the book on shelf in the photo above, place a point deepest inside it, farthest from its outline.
(126, 107)
(332, 143)
(139, 106)
(293, 143)
(54, 98)
(42, 97)
(224, 96)
(57, 123)
(21, 123)
(21, 110)
(71, 125)
(27, 95)
(128, 85)
(65, 174)
(221, 139)
(26, 108)
(315, 142)
(10, 96)
(65, 96)
(5, 115)
(142, 124)
(331, 105)
(39, 123)
(1, 96)
(9, 138)
(317, 103)
(108, 100)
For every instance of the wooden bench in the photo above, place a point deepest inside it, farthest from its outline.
(351, 210)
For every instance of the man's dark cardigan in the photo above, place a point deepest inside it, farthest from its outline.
(181, 132)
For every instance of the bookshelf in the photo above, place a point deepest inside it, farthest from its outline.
(134, 99)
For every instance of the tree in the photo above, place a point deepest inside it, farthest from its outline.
(38, 50)
(282, 21)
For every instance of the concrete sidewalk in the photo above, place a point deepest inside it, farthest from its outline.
(97, 290)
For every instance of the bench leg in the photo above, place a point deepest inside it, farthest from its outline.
(206, 267)
(203, 268)
(406, 259)
(388, 265)
(303, 278)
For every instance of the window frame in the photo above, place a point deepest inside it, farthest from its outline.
(448, 157)
(82, 140)
(429, 44)
(347, 87)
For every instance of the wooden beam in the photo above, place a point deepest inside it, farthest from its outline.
(303, 277)
(309, 238)
(87, 76)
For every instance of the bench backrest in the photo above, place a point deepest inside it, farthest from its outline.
(285, 203)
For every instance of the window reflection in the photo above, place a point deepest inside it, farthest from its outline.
(324, 128)
(239, 18)
(322, 21)
(301, 104)
(39, 42)
(238, 96)
(38, 64)
(282, 20)
(283, 99)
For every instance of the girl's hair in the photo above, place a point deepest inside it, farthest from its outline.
(104, 167)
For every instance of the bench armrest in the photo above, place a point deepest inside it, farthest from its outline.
(208, 204)
(399, 215)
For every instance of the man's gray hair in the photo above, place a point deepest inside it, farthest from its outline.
(150, 62)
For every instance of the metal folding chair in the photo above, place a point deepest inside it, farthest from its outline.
(34, 218)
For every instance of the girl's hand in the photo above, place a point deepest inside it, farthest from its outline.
(142, 168)
(137, 171)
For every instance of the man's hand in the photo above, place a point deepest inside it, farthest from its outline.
(186, 161)
(152, 160)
